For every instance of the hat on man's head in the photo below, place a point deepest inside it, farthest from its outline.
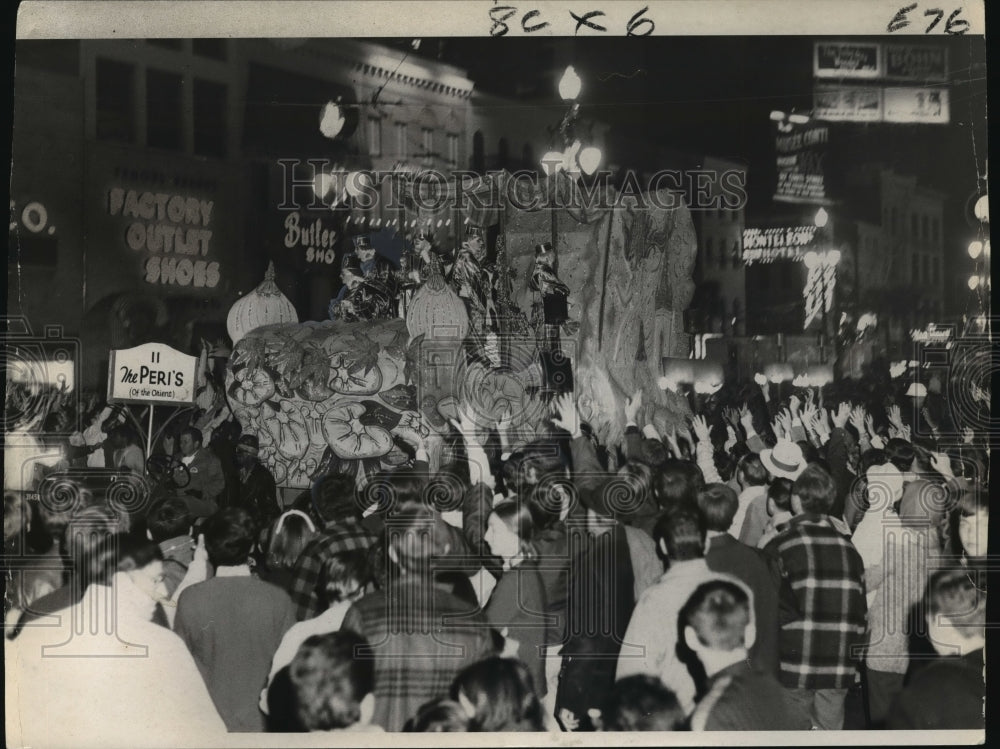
(248, 443)
(352, 263)
(543, 249)
(476, 231)
(784, 460)
(362, 242)
(917, 390)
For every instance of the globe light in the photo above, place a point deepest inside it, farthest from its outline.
(975, 249)
(821, 218)
(833, 258)
(357, 182)
(552, 162)
(777, 115)
(982, 208)
(810, 259)
(323, 184)
(590, 159)
(798, 119)
(331, 120)
(973, 283)
(570, 84)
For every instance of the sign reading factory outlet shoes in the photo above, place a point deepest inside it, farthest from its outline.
(152, 373)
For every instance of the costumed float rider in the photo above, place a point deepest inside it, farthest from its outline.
(415, 265)
(474, 278)
(555, 315)
(361, 298)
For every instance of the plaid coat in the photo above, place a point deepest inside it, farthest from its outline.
(420, 635)
(346, 534)
(822, 599)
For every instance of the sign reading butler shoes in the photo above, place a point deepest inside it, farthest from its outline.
(152, 373)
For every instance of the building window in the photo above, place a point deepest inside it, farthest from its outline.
(210, 118)
(913, 225)
(427, 140)
(895, 220)
(401, 149)
(709, 251)
(734, 253)
(924, 228)
(213, 48)
(927, 269)
(374, 136)
(164, 111)
(452, 150)
(914, 268)
(115, 101)
(935, 229)
(935, 270)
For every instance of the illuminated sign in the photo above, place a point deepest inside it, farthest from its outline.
(151, 373)
(930, 335)
(781, 243)
(847, 60)
(173, 230)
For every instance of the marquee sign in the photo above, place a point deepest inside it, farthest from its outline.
(780, 243)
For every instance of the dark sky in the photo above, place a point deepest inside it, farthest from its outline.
(714, 94)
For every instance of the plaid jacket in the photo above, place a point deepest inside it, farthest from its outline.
(823, 607)
(343, 535)
(421, 636)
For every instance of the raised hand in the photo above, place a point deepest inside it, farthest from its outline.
(841, 416)
(793, 404)
(942, 464)
(731, 438)
(671, 439)
(968, 436)
(565, 414)
(779, 433)
(785, 419)
(810, 397)
(701, 430)
(746, 419)
(465, 425)
(869, 425)
(857, 419)
(200, 554)
(895, 418)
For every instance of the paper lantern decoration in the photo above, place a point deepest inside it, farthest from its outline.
(265, 305)
(436, 310)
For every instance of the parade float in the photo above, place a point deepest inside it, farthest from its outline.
(351, 396)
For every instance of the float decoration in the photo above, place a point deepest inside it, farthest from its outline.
(265, 305)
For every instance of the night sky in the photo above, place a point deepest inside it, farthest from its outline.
(713, 95)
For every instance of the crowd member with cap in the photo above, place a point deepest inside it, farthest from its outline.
(822, 600)
(718, 624)
(258, 494)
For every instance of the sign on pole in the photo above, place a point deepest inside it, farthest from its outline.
(847, 60)
(152, 374)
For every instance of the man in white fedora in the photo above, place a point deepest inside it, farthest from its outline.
(784, 460)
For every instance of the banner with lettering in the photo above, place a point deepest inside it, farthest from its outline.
(801, 152)
(152, 373)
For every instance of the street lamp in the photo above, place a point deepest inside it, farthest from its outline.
(975, 249)
(821, 218)
(570, 85)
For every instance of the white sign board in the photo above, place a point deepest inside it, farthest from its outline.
(847, 59)
(926, 105)
(152, 373)
(847, 103)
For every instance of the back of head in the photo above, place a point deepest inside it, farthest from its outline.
(815, 489)
(539, 459)
(633, 489)
(91, 541)
(641, 703)
(333, 497)
(229, 537)
(440, 716)
(718, 504)
(499, 695)
(291, 534)
(780, 493)
(329, 682)
(169, 519)
(750, 471)
(389, 490)
(900, 453)
(719, 613)
(680, 533)
(343, 575)
(677, 483)
(414, 535)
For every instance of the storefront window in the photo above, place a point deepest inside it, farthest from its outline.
(164, 110)
(115, 101)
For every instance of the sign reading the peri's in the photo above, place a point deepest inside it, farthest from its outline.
(173, 231)
(152, 373)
